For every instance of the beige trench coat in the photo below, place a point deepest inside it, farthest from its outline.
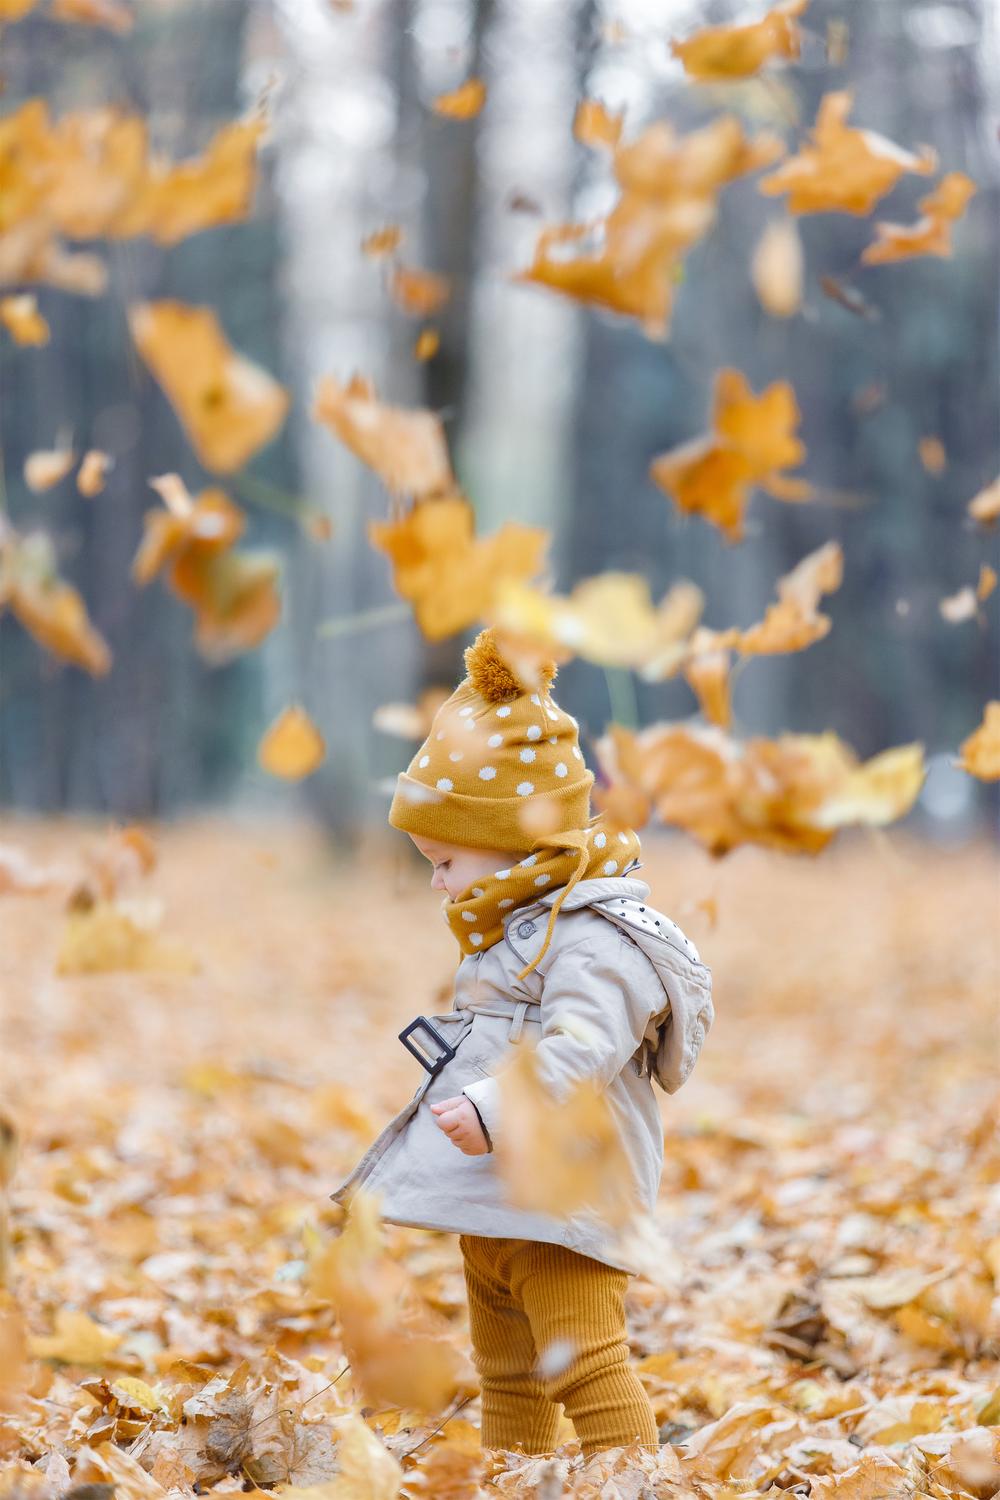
(586, 1007)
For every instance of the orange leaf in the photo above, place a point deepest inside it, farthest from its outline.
(229, 407)
(845, 170)
(461, 103)
(980, 752)
(406, 449)
(718, 53)
(931, 234)
(450, 577)
(293, 747)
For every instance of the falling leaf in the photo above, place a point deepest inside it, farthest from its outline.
(92, 472)
(932, 454)
(609, 619)
(234, 594)
(790, 794)
(293, 747)
(49, 608)
(229, 407)
(931, 235)
(407, 449)
(720, 53)
(751, 442)
(708, 675)
(21, 317)
(795, 622)
(850, 298)
(187, 197)
(462, 103)
(398, 1352)
(845, 170)
(91, 173)
(419, 293)
(979, 754)
(669, 188)
(964, 605)
(381, 242)
(44, 469)
(985, 507)
(450, 576)
(427, 345)
(109, 13)
(596, 126)
(560, 1153)
(778, 267)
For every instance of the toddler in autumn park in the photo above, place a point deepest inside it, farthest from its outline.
(612, 993)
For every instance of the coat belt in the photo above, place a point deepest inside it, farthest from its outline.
(516, 1010)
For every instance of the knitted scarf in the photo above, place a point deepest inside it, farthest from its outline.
(556, 859)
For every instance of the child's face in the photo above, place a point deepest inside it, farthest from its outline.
(456, 868)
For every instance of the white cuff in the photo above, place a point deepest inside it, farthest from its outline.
(485, 1095)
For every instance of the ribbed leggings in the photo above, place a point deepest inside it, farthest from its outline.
(548, 1327)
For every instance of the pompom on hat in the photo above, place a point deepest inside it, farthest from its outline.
(500, 766)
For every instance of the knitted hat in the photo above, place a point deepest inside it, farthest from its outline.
(500, 766)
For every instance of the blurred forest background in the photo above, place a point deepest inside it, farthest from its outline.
(553, 410)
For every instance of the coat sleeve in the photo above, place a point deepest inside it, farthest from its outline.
(597, 998)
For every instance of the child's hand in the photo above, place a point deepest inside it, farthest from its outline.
(458, 1119)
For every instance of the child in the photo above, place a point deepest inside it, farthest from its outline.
(546, 1294)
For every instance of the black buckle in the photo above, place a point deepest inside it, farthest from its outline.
(436, 1063)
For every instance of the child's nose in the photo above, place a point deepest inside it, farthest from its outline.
(437, 881)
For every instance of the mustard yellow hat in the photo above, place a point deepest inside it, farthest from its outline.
(501, 765)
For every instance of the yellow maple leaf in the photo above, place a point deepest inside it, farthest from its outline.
(719, 53)
(406, 449)
(669, 187)
(753, 438)
(844, 170)
(229, 407)
(790, 794)
(979, 753)
(449, 576)
(931, 234)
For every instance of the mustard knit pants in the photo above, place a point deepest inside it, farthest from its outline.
(548, 1326)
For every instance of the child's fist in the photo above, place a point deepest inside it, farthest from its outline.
(458, 1119)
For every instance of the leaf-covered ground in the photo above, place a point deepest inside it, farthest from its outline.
(821, 1311)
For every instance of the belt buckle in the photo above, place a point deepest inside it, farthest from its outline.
(435, 1064)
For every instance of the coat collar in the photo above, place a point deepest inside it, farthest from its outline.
(586, 893)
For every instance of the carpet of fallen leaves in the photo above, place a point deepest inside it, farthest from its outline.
(821, 1312)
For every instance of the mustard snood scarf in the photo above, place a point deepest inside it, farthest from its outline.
(557, 859)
